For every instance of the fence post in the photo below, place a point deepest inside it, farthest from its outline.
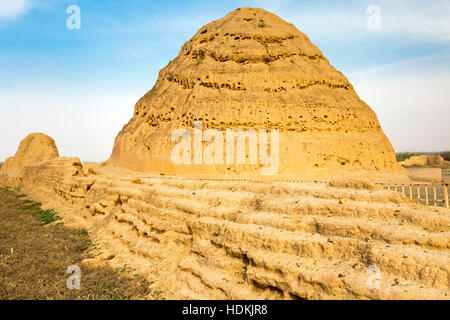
(446, 194)
(410, 192)
(403, 189)
(426, 195)
(418, 193)
(434, 195)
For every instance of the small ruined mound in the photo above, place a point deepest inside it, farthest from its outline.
(253, 70)
(425, 160)
(89, 167)
(35, 148)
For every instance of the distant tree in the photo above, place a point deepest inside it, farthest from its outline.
(445, 155)
(402, 156)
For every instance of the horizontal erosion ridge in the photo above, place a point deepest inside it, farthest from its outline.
(308, 85)
(291, 126)
(191, 83)
(201, 54)
(287, 242)
(261, 39)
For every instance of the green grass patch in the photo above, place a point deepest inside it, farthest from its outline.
(35, 206)
(45, 216)
(402, 156)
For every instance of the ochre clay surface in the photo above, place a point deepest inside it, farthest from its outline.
(225, 239)
(36, 147)
(253, 70)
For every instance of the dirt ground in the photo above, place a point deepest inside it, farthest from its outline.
(34, 259)
(446, 175)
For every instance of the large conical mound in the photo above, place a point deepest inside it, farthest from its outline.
(253, 70)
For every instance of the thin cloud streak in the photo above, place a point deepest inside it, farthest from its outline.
(390, 67)
(423, 21)
(413, 111)
(12, 9)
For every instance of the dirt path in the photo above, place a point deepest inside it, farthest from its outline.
(34, 258)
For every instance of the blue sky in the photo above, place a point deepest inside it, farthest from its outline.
(80, 86)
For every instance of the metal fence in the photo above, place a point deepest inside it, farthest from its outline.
(430, 194)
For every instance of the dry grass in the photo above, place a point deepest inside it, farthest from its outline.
(34, 258)
(425, 174)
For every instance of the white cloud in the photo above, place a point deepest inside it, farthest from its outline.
(407, 66)
(413, 109)
(83, 125)
(428, 20)
(13, 8)
(424, 21)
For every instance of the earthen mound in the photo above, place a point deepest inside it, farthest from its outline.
(253, 70)
(424, 160)
(35, 148)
